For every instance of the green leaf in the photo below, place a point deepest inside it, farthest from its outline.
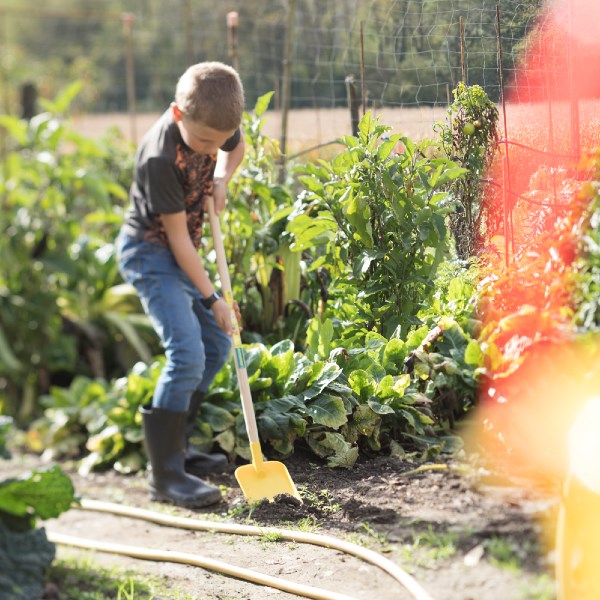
(474, 354)
(329, 373)
(379, 408)
(63, 100)
(334, 447)
(362, 384)
(328, 410)
(394, 355)
(43, 494)
(226, 439)
(282, 347)
(262, 104)
(358, 213)
(365, 420)
(24, 559)
(129, 463)
(273, 425)
(16, 128)
(312, 231)
(218, 418)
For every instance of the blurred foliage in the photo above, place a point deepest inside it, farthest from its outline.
(63, 307)
(25, 552)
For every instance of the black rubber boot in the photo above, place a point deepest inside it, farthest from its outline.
(196, 462)
(164, 437)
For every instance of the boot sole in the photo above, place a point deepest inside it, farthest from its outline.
(202, 473)
(191, 503)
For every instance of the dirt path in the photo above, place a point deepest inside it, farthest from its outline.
(426, 522)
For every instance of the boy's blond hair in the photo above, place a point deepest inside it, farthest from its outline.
(211, 93)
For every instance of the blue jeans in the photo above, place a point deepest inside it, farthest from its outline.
(195, 346)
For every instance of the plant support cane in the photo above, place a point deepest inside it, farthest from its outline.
(261, 479)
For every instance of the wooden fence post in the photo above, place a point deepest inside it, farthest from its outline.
(352, 103)
(232, 27)
(28, 101)
(286, 90)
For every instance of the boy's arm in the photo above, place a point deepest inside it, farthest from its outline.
(190, 263)
(227, 163)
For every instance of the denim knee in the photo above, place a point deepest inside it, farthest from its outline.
(181, 376)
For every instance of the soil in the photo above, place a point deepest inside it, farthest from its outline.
(442, 523)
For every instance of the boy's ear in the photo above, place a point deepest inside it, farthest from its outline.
(176, 111)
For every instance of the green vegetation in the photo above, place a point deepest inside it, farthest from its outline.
(84, 579)
(471, 138)
(362, 333)
(389, 356)
(25, 552)
(63, 306)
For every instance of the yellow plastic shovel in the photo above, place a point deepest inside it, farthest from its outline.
(262, 479)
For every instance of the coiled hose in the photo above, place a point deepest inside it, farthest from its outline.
(326, 541)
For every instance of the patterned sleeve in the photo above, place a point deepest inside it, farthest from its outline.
(232, 142)
(164, 187)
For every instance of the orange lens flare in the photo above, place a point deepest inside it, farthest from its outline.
(539, 410)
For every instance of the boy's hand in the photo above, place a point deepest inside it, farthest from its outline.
(224, 321)
(238, 314)
(219, 194)
(222, 315)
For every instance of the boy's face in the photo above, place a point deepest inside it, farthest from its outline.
(199, 137)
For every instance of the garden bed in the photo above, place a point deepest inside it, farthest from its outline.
(459, 537)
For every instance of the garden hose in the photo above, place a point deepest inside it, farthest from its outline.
(326, 541)
(198, 561)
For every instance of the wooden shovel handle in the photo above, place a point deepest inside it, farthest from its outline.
(240, 361)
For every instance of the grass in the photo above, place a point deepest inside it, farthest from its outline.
(83, 579)
(505, 554)
(430, 546)
(542, 588)
(321, 500)
(367, 537)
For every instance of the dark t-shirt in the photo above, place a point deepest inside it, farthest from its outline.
(169, 177)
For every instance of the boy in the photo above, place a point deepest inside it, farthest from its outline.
(191, 152)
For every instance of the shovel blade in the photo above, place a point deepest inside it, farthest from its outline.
(267, 481)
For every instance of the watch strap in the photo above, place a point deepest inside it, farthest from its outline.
(210, 300)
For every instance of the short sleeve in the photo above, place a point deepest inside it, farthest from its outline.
(164, 186)
(232, 142)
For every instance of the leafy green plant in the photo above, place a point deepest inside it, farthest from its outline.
(376, 218)
(470, 139)
(25, 551)
(586, 265)
(59, 300)
(265, 273)
(97, 420)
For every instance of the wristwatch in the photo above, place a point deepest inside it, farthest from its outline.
(210, 300)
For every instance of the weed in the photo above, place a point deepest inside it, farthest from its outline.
(322, 500)
(542, 588)
(306, 525)
(83, 579)
(270, 537)
(503, 553)
(368, 537)
(430, 546)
